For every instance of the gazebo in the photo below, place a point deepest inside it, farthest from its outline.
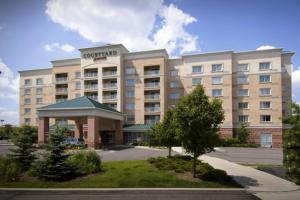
(95, 122)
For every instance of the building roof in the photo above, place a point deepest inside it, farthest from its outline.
(79, 103)
(137, 128)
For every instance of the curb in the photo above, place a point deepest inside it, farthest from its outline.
(121, 189)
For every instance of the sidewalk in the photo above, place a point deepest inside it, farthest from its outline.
(261, 184)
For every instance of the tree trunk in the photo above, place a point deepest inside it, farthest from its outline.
(170, 148)
(194, 165)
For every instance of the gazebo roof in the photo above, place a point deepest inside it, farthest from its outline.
(78, 103)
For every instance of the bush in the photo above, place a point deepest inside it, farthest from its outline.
(140, 143)
(87, 162)
(246, 145)
(203, 168)
(234, 142)
(9, 170)
(215, 175)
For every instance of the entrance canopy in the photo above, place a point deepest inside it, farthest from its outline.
(91, 120)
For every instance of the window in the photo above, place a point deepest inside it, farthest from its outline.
(265, 118)
(197, 69)
(174, 84)
(78, 85)
(130, 106)
(130, 82)
(27, 91)
(27, 101)
(130, 118)
(265, 104)
(39, 91)
(217, 68)
(242, 80)
(243, 105)
(174, 72)
(265, 78)
(217, 80)
(77, 74)
(77, 95)
(243, 118)
(27, 121)
(217, 92)
(243, 67)
(130, 94)
(174, 95)
(243, 92)
(27, 110)
(39, 81)
(61, 122)
(196, 81)
(39, 100)
(172, 106)
(130, 70)
(27, 82)
(265, 91)
(264, 66)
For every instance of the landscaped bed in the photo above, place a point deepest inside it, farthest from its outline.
(127, 174)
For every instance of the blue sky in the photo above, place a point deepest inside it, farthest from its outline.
(34, 32)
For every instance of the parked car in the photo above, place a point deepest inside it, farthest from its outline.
(73, 141)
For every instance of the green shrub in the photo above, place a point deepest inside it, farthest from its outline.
(9, 170)
(203, 168)
(87, 162)
(140, 143)
(246, 145)
(215, 175)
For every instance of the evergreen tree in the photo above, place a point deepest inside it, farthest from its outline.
(243, 133)
(291, 144)
(24, 140)
(199, 121)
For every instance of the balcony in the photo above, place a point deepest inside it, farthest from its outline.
(61, 79)
(152, 72)
(152, 109)
(110, 73)
(152, 96)
(94, 97)
(109, 85)
(61, 90)
(151, 121)
(110, 97)
(61, 100)
(152, 84)
(91, 87)
(91, 75)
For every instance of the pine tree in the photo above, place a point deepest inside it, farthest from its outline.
(24, 140)
(243, 133)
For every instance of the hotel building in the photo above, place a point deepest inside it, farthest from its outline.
(254, 86)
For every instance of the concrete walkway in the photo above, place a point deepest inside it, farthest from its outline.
(261, 184)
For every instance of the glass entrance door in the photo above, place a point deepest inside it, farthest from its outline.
(266, 139)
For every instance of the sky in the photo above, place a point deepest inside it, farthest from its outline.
(34, 32)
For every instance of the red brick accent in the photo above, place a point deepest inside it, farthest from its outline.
(226, 132)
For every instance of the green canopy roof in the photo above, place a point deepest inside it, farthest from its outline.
(137, 128)
(78, 103)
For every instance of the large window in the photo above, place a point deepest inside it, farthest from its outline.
(78, 74)
(217, 68)
(243, 118)
(243, 92)
(130, 94)
(197, 69)
(196, 81)
(27, 121)
(243, 67)
(27, 101)
(78, 85)
(217, 92)
(39, 81)
(39, 100)
(27, 110)
(130, 70)
(265, 105)
(27, 82)
(27, 91)
(265, 91)
(130, 82)
(174, 84)
(243, 105)
(266, 118)
(217, 80)
(39, 91)
(130, 118)
(77, 95)
(130, 106)
(243, 80)
(265, 78)
(174, 72)
(174, 95)
(264, 66)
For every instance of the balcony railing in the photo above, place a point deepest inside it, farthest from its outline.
(151, 121)
(152, 109)
(110, 97)
(94, 97)
(61, 79)
(91, 87)
(60, 100)
(110, 73)
(109, 85)
(152, 96)
(91, 75)
(151, 72)
(152, 85)
(61, 90)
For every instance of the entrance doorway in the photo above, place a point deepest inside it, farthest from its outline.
(108, 137)
(266, 139)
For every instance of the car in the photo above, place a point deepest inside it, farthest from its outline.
(73, 141)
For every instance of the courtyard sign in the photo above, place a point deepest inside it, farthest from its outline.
(101, 54)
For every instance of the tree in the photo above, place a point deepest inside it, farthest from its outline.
(199, 122)
(24, 139)
(166, 131)
(6, 131)
(243, 133)
(54, 165)
(291, 143)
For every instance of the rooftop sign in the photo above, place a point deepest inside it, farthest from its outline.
(100, 54)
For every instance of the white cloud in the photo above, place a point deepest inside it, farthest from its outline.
(296, 78)
(56, 46)
(9, 116)
(9, 83)
(133, 23)
(263, 47)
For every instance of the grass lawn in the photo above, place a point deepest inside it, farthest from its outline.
(125, 174)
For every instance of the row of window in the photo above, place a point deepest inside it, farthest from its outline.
(262, 105)
(38, 81)
(263, 118)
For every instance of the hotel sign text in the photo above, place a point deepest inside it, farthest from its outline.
(100, 54)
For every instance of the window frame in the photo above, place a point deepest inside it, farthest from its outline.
(212, 92)
(197, 67)
(218, 77)
(215, 71)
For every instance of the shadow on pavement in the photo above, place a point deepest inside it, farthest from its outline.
(245, 181)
